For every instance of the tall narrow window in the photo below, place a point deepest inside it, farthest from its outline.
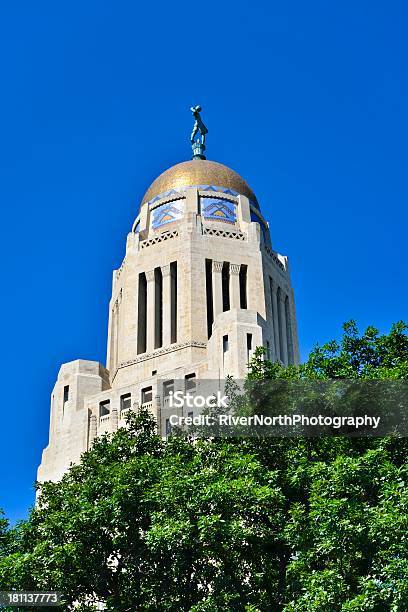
(209, 296)
(289, 334)
(280, 323)
(65, 398)
(173, 301)
(249, 346)
(225, 286)
(243, 286)
(158, 308)
(225, 344)
(141, 314)
(225, 348)
(66, 394)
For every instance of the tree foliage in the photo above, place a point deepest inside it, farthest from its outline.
(299, 524)
(369, 356)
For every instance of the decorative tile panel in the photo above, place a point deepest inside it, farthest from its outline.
(217, 209)
(167, 213)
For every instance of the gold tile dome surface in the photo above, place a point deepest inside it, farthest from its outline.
(199, 172)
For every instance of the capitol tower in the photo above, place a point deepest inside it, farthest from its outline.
(200, 287)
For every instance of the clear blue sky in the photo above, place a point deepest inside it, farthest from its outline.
(307, 100)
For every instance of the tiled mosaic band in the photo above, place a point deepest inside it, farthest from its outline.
(177, 190)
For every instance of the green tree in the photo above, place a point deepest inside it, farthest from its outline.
(369, 356)
(298, 524)
(346, 516)
(5, 535)
(145, 525)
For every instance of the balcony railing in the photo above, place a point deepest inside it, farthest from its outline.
(106, 418)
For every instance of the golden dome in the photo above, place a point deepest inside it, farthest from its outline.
(199, 172)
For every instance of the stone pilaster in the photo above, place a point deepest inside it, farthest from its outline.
(235, 298)
(166, 305)
(158, 414)
(191, 201)
(144, 217)
(114, 419)
(217, 287)
(244, 211)
(92, 429)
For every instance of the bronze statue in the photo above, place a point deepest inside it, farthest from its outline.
(199, 127)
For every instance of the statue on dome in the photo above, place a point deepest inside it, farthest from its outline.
(199, 127)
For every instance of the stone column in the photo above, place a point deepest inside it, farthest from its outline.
(150, 311)
(282, 331)
(235, 294)
(114, 419)
(166, 305)
(217, 287)
(92, 430)
(158, 414)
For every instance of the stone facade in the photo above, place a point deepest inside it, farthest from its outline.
(199, 289)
